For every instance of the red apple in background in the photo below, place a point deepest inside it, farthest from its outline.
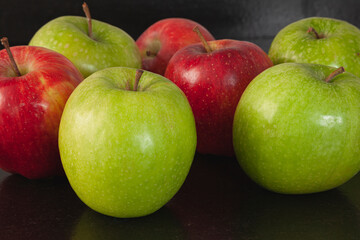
(162, 39)
(32, 97)
(213, 76)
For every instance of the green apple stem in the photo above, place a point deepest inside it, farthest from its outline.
(139, 73)
(88, 17)
(204, 42)
(334, 74)
(317, 35)
(127, 86)
(5, 43)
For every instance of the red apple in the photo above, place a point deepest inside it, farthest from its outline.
(31, 104)
(162, 39)
(213, 81)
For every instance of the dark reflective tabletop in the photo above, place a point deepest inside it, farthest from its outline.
(217, 201)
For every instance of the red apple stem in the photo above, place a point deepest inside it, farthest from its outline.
(312, 30)
(334, 74)
(150, 53)
(88, 17)
(204, 42)
(139, 73)
(5, 43)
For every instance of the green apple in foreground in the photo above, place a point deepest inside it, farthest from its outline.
(90, 44)
(126, 145)
(319, 40)
(297, 128)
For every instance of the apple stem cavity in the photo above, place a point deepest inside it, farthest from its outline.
(127, 86)
(334, 74)
(317, 35)
(88, 17)
(204, 42)
(5, 43)
(150, 54)
(139, 73)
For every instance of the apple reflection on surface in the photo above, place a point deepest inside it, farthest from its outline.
(322, 216)
(207, 202)
(161, 225)
(37, 209)
(218, 201)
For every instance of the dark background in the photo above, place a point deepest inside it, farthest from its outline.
(256, 21)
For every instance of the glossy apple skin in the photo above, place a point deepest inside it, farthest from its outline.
(109, 47)
(126, 153)
(165, 38)
(294, 133)
(213, 83)
(30, 109)
(339, 48)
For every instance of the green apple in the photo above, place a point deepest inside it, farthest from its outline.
(319, 40)
(126, 148)
(297, 128)
(91, 47)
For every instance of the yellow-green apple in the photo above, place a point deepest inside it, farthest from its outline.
(319, 40)
(34, 86)
(213, 78)
(90, 44)
(297, 128)
(162, 39)
(126, 142)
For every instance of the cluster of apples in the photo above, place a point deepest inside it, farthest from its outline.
(127, 137)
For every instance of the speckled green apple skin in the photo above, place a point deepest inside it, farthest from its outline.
(109, 47)
(340, 46)
(126, 153)
(294, 133)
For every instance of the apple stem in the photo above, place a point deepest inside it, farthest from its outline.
(317, 35)
(88, 17)
(150, 54)
(5, 43)
(139, 73)
(334, 74)
(204, 42)
(127, 85)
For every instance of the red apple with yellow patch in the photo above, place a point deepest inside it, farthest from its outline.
(35, 83)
